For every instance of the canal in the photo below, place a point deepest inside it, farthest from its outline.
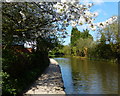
(82, 76)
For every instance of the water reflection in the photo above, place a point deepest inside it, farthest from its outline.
(82, 76)
(65, 65)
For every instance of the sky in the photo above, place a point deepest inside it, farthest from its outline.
(105, 10)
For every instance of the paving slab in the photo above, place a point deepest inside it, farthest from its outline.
(50, 82)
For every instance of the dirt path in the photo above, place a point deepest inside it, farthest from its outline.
(50, 81)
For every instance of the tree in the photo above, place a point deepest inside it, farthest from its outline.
(80, 42)
(66, 50)
(83, 45)
(41, 22)
(85, 34)
(75, 35)
(26, 22)
(103, 38)
(107, 48)
(111, 33)
(23, 22)
(110, 37)
(45, 18)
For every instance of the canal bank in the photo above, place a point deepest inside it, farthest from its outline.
(50, 81)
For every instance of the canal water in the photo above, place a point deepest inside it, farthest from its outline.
(82, 76)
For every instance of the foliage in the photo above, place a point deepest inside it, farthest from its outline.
(111, 33)
(82, 45)
(107, 47)
(21, 69)
(39, 22)
(103, 51)
(67, 50)
(75, 35)
(26, 22)
(103, 39)
(85, 34)
(57, 51)
(80, 42)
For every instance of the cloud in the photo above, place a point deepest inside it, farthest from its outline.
(100, 11)
(82, 27)
(98, 2)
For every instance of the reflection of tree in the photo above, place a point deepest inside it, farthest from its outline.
(99, 76)
(79, 65)
(108, 77)
(80, 74)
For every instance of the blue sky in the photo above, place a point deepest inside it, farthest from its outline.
(105, 10)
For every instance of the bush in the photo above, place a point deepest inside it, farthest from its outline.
(102, 51)
(21, 69)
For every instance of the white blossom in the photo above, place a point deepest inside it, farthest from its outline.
(93, 28)
(23, 15)
(87, 13)
(9, 0)
(81, 20)
(64, 1)
(75, 14)
(73, 23)
(95, 14)
(50, 16)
